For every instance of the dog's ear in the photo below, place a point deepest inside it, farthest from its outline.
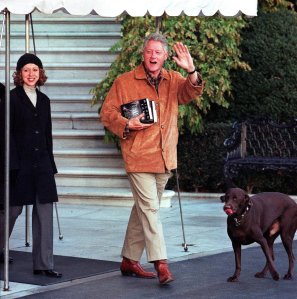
(223, 198)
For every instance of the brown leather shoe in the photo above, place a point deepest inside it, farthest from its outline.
(164, 274)
(133, 268)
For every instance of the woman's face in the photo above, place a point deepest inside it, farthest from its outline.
(30, 74)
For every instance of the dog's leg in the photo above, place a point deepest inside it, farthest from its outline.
(287, 236)
(287, 242)
(270, 242)
(237, 254)
(269, 259)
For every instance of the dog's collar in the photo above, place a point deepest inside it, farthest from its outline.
(239, 219)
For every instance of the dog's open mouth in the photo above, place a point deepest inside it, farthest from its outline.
(228, 210)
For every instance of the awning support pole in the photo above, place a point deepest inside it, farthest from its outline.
(7, 151)
(27, 49)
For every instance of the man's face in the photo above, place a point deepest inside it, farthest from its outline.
(154, 56)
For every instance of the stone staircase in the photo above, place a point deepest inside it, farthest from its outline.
(75, 54)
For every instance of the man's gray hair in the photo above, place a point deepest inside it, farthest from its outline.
(156, 37)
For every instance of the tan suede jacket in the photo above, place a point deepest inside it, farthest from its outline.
(154, 148)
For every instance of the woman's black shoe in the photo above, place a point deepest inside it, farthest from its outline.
(10, 259)
(50, 273)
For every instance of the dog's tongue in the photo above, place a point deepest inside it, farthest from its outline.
(228, 211)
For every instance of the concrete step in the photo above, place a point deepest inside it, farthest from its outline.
(70, 102)
(76, 55)
(76, 120)
(88, 157)
(105, 196)
(69, 86)
(70, 23)
(76, 71)
(57, 57)
(92, 177)
(59, 39)
(73, 103)
(80, 139)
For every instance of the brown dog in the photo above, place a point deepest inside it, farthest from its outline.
(260, 218)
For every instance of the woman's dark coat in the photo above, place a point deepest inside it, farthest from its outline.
(32, 165)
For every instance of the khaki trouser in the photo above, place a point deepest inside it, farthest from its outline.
(144, 229)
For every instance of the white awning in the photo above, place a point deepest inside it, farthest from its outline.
(135, 8)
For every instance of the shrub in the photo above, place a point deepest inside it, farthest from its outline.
(213, 43)
(269, 46)
(201, 159)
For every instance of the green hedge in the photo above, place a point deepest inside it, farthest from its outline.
(201, 160)
(269, 46)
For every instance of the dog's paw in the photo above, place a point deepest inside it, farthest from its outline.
(232, 279)
(288, 276)
(275, 276)
(260, 275)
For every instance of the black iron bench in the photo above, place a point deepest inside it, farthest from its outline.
(260, 145)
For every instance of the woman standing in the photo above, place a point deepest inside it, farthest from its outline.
(32, 165)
